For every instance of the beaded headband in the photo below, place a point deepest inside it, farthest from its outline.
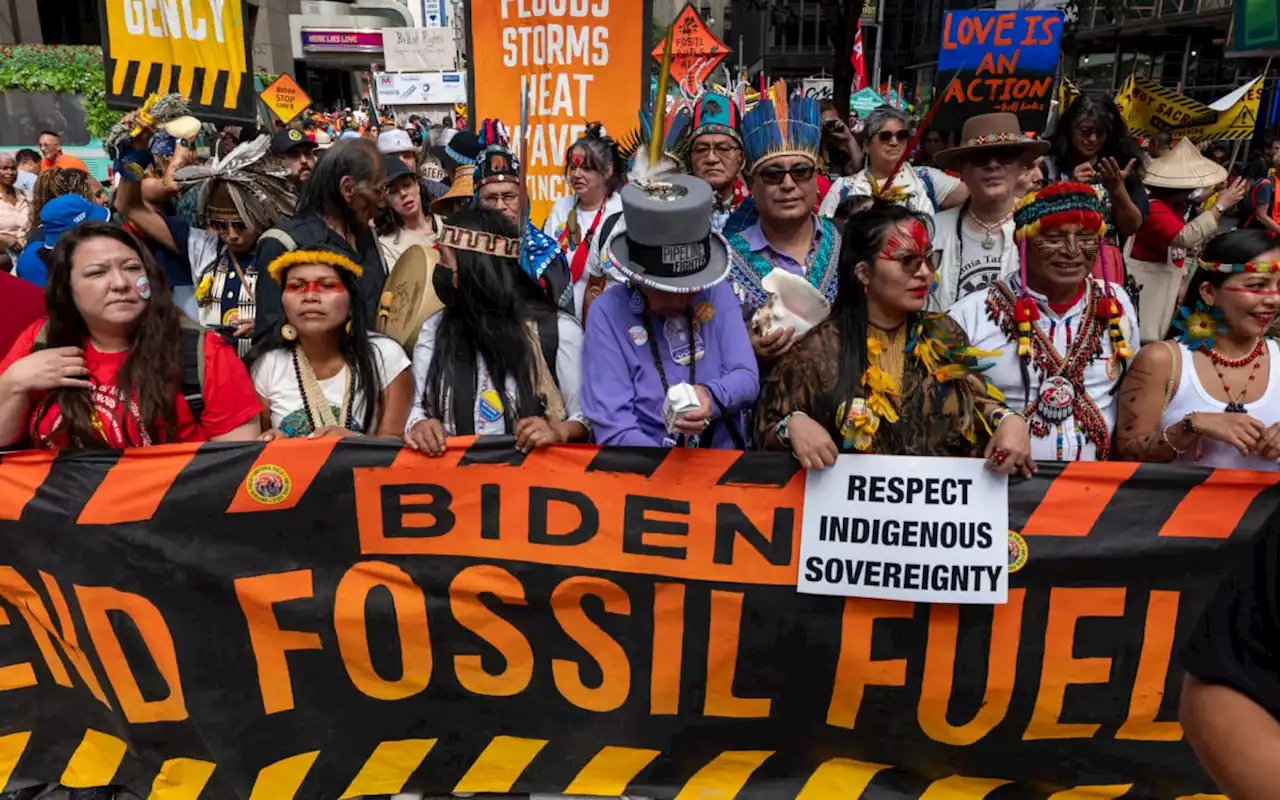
(293, 258)
(1258, 266)
(1056, 205)
(479, 242)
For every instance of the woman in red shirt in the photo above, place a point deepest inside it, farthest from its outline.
(110, 374)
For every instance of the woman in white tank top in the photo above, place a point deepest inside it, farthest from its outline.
(1212, 396)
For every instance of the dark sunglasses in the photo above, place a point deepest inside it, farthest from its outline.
(888, 136)
(1005, 155)
(798, 172)
(222, 225)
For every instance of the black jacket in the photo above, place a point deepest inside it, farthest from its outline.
(308, 230)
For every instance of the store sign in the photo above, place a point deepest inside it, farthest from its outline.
(419, 49)
(420, 88)
(319, 40)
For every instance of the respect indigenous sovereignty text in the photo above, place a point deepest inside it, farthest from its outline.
(344, 618)
(582, 60)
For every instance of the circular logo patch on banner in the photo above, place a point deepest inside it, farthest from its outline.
(268, 484)
(1017, 552)
(490, 406)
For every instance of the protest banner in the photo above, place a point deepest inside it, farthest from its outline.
(818, 88)
(695, 50)
(337, 618)
(285, 98)
(928, 530)
(997, 61)
(1149, 108)
(197, 48)
(419, 49)
(583, 60)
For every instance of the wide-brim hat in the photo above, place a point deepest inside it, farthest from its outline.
(990, 132)
(463, 186)
(668, 244)
(1184, 167)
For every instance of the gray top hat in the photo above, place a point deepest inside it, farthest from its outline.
(668, 244)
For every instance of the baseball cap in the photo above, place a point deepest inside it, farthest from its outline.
(396, 141)
(395, 168)
(288, 140)
(63, 213)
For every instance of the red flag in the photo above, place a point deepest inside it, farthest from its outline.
(859, 62)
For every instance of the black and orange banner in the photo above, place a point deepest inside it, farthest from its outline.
(335, 619)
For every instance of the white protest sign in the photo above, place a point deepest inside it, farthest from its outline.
(819, 88)
(928, 530)
(419, 49)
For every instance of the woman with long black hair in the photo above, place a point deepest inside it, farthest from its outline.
(1091, 145)
(108, 367)
(1210, 394)
(881, 375)
(501, 358)
(322, 373)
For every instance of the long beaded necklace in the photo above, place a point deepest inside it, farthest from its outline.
(314, 402)
(1234, 403)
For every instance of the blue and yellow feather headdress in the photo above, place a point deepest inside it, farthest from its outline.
(781, 126)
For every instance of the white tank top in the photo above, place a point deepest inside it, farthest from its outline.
(1192, 398)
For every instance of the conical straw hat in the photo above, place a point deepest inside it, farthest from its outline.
(1184, 168)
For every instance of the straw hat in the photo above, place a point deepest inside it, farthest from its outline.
(463, 186)
(987, 132)
(1183, 167)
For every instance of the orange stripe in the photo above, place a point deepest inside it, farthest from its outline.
(20, 475)
(297, 460)
(455, 448)
(1213, 509)
(134, 487)
(1077, 497)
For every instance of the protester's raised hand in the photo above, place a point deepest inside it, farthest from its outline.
(428, 436)
(51, 368)
(1112, 175)
(810, 443)
(1084, 173)
(1233, 193)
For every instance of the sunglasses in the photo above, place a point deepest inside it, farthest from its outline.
(1005, 155)
(1089, 132)
(222, 225)
(776, 175)
(885, 137)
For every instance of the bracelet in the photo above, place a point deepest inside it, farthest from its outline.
(1188, 426)
(1164, 437)
(783, 429)
(999, 416)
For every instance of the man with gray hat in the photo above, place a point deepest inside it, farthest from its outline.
(668, 355)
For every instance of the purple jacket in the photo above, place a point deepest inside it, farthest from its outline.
(621, 390)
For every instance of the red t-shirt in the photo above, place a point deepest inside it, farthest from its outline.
(1151, 242)
(229, 398)
(21, 303)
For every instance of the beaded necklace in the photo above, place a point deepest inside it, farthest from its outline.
(314, 402)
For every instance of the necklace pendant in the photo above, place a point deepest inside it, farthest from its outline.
(1056, 401)
(988, 241)
(1235, 407)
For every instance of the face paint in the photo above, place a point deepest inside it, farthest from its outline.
(578, 159)
(322, 286)
(1248, 290)
(143, 285)
(908, 241)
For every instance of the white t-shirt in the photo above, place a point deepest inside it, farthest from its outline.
(558, 219)
(979, 267)
(277, 383)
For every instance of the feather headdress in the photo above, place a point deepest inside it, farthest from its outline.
(261, 188)
(781, 126)
(159, 111)
(652, 148)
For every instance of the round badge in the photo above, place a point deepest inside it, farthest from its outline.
(268, 484)
(1017, 552)
(1057, 399)
(704, 312)
(295, 135)
(143, 285)
(490, 406)
(232, 317)
(639, 336)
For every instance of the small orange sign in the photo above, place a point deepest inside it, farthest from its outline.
(285, 98)
(695, 51)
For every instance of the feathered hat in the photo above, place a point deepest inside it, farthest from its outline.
(716, 113)
(496, 162)
(260, 189)
(779, 126)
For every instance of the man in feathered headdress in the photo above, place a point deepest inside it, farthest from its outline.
(239, 197)
(715, 153)
(781, 137)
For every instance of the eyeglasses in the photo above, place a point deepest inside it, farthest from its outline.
(506, 199)
(222, 225)
(723, 149)
(799, 173)
(885, 137)
(1086, 243)
(1090, 132)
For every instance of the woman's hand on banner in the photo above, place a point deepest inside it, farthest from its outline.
(1241, 431)
(428, 436)
(334, 431)
(535, 432)
(271, 435)
(1009, 451)
(810, 443)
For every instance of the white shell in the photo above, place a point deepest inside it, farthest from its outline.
(793, 303)
(182, 127)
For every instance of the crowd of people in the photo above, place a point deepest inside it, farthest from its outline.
(765, 277)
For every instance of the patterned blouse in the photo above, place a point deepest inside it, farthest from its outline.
(937, 418)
